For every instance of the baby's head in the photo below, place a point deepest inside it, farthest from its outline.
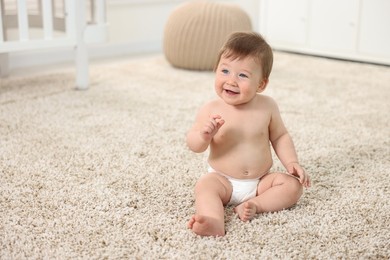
(241, 45)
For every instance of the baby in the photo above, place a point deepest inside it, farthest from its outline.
(239, 127)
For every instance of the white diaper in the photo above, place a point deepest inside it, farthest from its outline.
(243, 189)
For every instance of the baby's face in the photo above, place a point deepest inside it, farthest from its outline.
(237, 81)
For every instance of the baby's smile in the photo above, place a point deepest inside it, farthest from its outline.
(232, 91)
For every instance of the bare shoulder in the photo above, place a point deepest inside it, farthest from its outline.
(215, 102)
(267, 101)
(210, 106)
(207, 109)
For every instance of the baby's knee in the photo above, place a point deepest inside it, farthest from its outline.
(200, 185)
(295, 187)
(204, 183)
(212, 184)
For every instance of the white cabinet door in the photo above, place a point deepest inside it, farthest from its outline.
(347, 29)
(284, 21)
(333, 25)
(374, 36)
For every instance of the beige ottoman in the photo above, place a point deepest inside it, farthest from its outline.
(195, 31)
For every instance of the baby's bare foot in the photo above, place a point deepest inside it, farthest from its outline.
(246, 210)
(206, 226)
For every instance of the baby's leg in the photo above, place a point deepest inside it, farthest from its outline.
(277, 191)
(212, 192)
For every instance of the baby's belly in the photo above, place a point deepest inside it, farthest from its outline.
(242, 163)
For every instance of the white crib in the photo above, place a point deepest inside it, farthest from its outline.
(56, 24)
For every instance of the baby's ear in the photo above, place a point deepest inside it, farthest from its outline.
(263, 84)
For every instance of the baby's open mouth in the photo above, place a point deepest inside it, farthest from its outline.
(231, 92)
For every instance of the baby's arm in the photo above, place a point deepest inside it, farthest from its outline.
(284, 147)
(203, 130)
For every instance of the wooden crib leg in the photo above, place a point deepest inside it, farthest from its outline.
(4, 71)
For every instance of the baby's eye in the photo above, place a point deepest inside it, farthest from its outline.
(225, 71)
(242, 75)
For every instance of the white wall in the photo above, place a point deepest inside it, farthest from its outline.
(135, 26)
(138, 25)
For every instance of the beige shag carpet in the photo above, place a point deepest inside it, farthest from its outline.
(105, 173)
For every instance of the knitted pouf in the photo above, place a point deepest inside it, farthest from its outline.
(196, 30)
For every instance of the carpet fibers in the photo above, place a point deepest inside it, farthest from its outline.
(105, 173)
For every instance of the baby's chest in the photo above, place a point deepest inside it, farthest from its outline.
(244, 127)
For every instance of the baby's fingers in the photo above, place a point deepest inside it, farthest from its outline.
(299, 172)
(217, 121)
(220, 123)
(208, 128)
(307, 182)
(214, 117)
(304, 179)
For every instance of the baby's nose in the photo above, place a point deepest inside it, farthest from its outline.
(232, 80)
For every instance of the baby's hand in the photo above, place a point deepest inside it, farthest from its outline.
(296, 170)
(212, 126)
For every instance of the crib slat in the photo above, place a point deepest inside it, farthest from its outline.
(82, 78)
(1, 22)
(70, 18)
(100, 11)
(47, 13)
(22, 20)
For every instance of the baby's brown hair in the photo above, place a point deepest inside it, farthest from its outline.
(243, 44)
